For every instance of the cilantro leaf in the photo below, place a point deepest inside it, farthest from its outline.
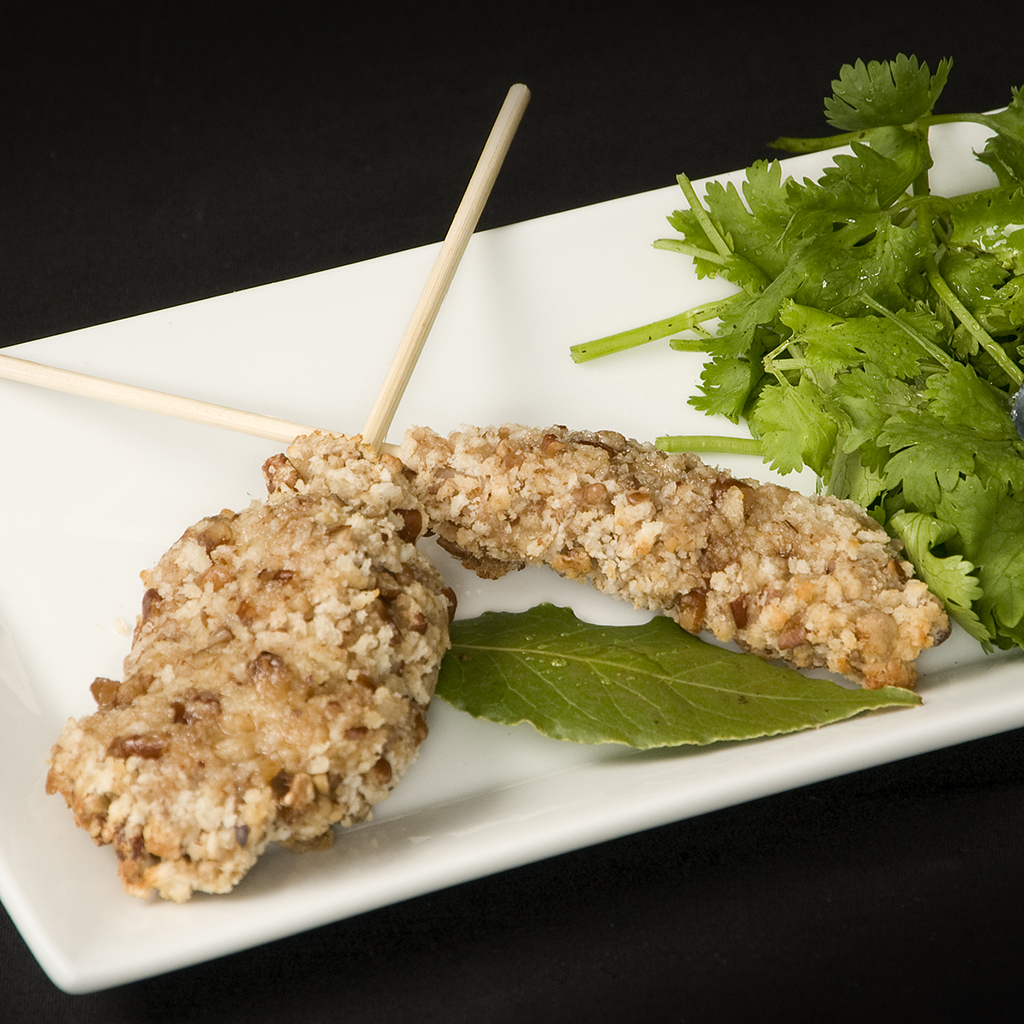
(752, 222)
(963, 399)
(992, 222)
(797, 425)
(727, 384)
(871, 257)
(950, 577)
(832, 343)
(877, 94)
(989, 524)
(886, 165)
(1004, 151)
(994, 296)
(931, 456)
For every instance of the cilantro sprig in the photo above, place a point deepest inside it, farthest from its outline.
(876, 334)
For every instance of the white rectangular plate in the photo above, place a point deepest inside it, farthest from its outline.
(93, 494)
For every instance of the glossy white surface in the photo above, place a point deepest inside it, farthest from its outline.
(94, 493)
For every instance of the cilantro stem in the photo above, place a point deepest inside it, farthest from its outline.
(982, 119)
(798, 145)
(695, 252)
(672, 245)
(964, 315)
(703, 217)
(637, 336)
(775, 365)
(698, 443)
(795, 145)
(624, 340)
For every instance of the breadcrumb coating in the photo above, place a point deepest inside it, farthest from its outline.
(813, 581)
(277, 682)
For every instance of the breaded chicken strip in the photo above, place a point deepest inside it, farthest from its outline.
(277, 681)
(810, 580)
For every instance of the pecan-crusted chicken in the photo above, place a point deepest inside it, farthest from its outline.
(277, 682)
(811, 580)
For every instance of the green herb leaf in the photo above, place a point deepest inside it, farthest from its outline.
(878, 94)
(833, 344)
(1004, 152)
(991, 221)
(886, 168)
(796, 425)
(989, 525)
(950, 575)
(647, 686)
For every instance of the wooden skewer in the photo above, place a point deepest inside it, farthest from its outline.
(452, 249)
(134, 397)
(270, 427)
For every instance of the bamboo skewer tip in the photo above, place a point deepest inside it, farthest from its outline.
(452, 250)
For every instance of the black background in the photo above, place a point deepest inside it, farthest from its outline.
(153, 157)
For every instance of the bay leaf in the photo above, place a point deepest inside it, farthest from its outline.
(653, 685)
